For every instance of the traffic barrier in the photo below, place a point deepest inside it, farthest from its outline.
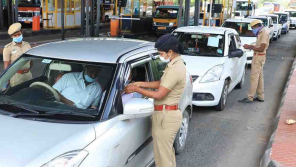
(36, 23)
(114, 27)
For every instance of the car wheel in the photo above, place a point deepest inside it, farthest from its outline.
(224, 96)
(180, 140)
(276, 38)
(241, 83)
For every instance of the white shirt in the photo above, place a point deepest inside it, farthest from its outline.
(72, 87)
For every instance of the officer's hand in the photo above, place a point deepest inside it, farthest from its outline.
(26, 71)
(246, 46)
(130, 88)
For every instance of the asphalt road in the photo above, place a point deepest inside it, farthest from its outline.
(237, 136)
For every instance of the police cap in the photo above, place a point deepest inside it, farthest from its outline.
(255, 22)
(14, 28)
(168, 42)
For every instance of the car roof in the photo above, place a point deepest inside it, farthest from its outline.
(281, 13)
(270, 15)
(168, 6)
(244, 20)
(259, 17)
(205, 29)
(107, 50)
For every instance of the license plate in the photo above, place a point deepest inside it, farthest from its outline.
(161, 28)
(28, 22)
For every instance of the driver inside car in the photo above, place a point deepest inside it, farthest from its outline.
(80, 89)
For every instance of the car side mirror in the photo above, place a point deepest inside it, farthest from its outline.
(236, 53)
(138, 108)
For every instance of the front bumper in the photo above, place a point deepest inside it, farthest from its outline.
(293, 25)
(163, 30)
(284, 29)
(213, 88)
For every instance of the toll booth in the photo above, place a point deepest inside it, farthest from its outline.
(51, 14)
(136, 16)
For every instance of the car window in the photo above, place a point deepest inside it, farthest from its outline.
(238, 40)
(201, 44)
(157, 67)
(84, 85)
(244, 29)
(232, 45)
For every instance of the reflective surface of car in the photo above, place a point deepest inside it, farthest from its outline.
(37, 130)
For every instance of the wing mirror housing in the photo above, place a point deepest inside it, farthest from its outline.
(138, 108)
(236, 53)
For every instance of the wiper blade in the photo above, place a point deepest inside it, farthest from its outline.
(52, 114)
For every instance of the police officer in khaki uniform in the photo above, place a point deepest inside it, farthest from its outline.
(167, 117)
(13, 50)
(259, 58)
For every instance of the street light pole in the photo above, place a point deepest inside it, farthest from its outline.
(186, 13)
(16, 11)
(82, 17)
(87, 18)
(92, 17)
(98, 17)
(196, 12)
(63, 19)
(180, 12)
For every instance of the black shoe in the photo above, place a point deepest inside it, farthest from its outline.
(245, 100)
(257, 99)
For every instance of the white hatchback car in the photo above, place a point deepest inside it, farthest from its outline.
(215, 60)
(37, 130)
(242, 26)
(277, 27)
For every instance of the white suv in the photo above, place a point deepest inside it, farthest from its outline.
(215, 60)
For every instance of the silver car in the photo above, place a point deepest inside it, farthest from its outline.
(39, 131)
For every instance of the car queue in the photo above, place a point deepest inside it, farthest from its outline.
(114, 131)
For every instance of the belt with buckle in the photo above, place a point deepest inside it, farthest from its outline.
(167, 107)
(260, 54)
(22, 71)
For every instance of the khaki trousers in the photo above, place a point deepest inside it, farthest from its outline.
(165, 125)
(257, 78)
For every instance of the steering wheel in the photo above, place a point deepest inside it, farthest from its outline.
(54, 92)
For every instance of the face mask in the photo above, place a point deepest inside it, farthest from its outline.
(89, 79)
(219, 51)
(18, 39)
(165, 60)
(255, 31)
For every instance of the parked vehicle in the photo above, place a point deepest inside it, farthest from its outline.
(292, 13)
(242, 26)
(165, 19)
(243, 7)
(268, 23)
(277, 27)
(51, 133)
(216, 62)
(27, 9)
(285, 21)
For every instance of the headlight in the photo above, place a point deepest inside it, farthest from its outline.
(70, 159)
(213, 74)
(171, 24)
(154, 23)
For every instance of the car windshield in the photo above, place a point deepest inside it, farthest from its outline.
(244, 29)
(56, 86)
(243, 6)
(265, 23)
(292, 14)
(274, 19)
(166, 13)
(283, 17)
(200, 44)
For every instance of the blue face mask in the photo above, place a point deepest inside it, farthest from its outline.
(255, 31)
(89, 79)
(18, 39)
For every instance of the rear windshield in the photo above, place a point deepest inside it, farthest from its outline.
(244, 29)
(166, 13)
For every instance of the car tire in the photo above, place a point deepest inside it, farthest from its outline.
(242, 81)
(182, 134)
(224, 95)
(276, 38)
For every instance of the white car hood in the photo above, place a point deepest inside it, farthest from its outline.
(248, 40)
(199, 65)
(27, 143)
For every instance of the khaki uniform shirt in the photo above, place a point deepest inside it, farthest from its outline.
(263, 37)
(10, 53)
(174, 79)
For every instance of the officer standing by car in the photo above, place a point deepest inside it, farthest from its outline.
(259, 58)
(167, 117)
(13, 50)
